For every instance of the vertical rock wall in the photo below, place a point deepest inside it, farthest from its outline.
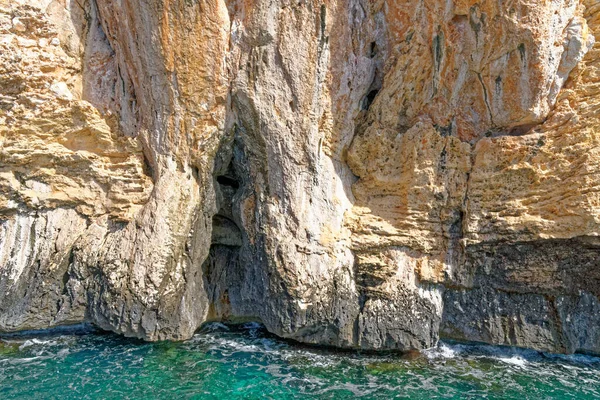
(355, 173)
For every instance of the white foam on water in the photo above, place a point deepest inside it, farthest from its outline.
(25, 360)
(443, 350)
(62, 353)
(37, 343)
(219, 343)
(26, 344)
(515, 360)
(447, 351)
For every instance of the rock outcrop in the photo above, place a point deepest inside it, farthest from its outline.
(361, 174)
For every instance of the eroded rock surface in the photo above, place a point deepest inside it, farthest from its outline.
(364, 174)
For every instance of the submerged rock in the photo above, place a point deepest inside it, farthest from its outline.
(357, 174)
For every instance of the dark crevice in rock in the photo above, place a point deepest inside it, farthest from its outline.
(323, 16)
(369, 98)
(447, 130)
(376, 82)
(225, 232)
(147, 167)
(373, 50)
(438, 58)
(522, 53)
(456, 228)
(217, 270)
(476, 21)
(221, 269)
(498, 87)
(521, 130)
(486, 99)
(438, 50)
(66, 276)
(224, 180)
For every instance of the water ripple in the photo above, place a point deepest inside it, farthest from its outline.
(246, 362)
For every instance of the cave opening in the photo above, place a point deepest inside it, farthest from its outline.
(221, 268)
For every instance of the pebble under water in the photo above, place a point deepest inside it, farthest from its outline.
(245, 362)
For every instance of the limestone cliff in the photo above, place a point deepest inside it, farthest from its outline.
(358, 173)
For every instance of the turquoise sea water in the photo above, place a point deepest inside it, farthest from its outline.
(246, 363)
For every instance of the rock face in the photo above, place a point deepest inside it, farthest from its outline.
(362, 174)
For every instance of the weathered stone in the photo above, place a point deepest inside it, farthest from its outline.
(351, 173)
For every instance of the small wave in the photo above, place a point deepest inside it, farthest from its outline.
(442, 351)
(26, 360)
(224, 344)
(37, 342)
(516, 360)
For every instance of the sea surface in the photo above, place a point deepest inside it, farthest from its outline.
(245, 362)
